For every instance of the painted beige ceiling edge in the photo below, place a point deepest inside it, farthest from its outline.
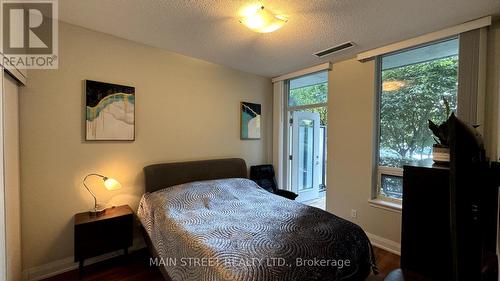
(209, 29)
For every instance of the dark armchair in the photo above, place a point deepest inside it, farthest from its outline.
(263, 175)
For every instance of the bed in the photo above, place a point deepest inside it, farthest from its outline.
(204, 220)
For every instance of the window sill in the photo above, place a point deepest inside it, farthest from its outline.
(385, 205)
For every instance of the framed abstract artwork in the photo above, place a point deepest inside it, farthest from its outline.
(250, 121)
(110, 112)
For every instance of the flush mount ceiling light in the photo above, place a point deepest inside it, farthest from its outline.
(261, 20)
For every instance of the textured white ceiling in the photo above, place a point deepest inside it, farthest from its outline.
(209, 29)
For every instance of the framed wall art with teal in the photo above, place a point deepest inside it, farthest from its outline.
(250, 121)
(110, 112)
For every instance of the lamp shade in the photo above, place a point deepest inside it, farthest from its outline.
(262, 20)
(111, 184)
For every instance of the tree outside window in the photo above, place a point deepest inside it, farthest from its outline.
(415, 86)
(404, 111)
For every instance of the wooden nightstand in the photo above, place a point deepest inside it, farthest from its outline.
(106, 233)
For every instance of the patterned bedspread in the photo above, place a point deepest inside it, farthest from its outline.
(233, 230)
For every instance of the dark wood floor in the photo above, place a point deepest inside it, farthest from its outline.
(386, 262)
(136, 268)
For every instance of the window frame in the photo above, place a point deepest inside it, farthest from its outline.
(379, 170)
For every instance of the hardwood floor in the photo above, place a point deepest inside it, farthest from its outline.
(386, 262)
(136, 268)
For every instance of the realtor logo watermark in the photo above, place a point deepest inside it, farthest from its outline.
(29, 34)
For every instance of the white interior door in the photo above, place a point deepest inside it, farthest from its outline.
(305, 155)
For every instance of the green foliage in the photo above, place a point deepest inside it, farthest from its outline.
(323, 116)
(404, 113)
(311, 95)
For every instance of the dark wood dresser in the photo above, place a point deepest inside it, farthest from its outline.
(97, 235)
(425, 233)
(431, 213)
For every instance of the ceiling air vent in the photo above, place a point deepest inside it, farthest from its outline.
(334, 49)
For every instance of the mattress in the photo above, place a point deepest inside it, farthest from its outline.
(232, 230)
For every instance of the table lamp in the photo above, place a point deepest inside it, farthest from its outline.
(109, 184)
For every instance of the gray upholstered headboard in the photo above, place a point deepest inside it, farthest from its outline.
(160, 176)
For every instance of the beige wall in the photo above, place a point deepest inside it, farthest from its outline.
(351, 111)
(186, 109)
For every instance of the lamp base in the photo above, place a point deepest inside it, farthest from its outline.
(97, 212)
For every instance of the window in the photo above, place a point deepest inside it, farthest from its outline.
(416, 85)
(308, 90)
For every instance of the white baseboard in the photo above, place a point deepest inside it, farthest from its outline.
(385, 244)
(67, 264)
